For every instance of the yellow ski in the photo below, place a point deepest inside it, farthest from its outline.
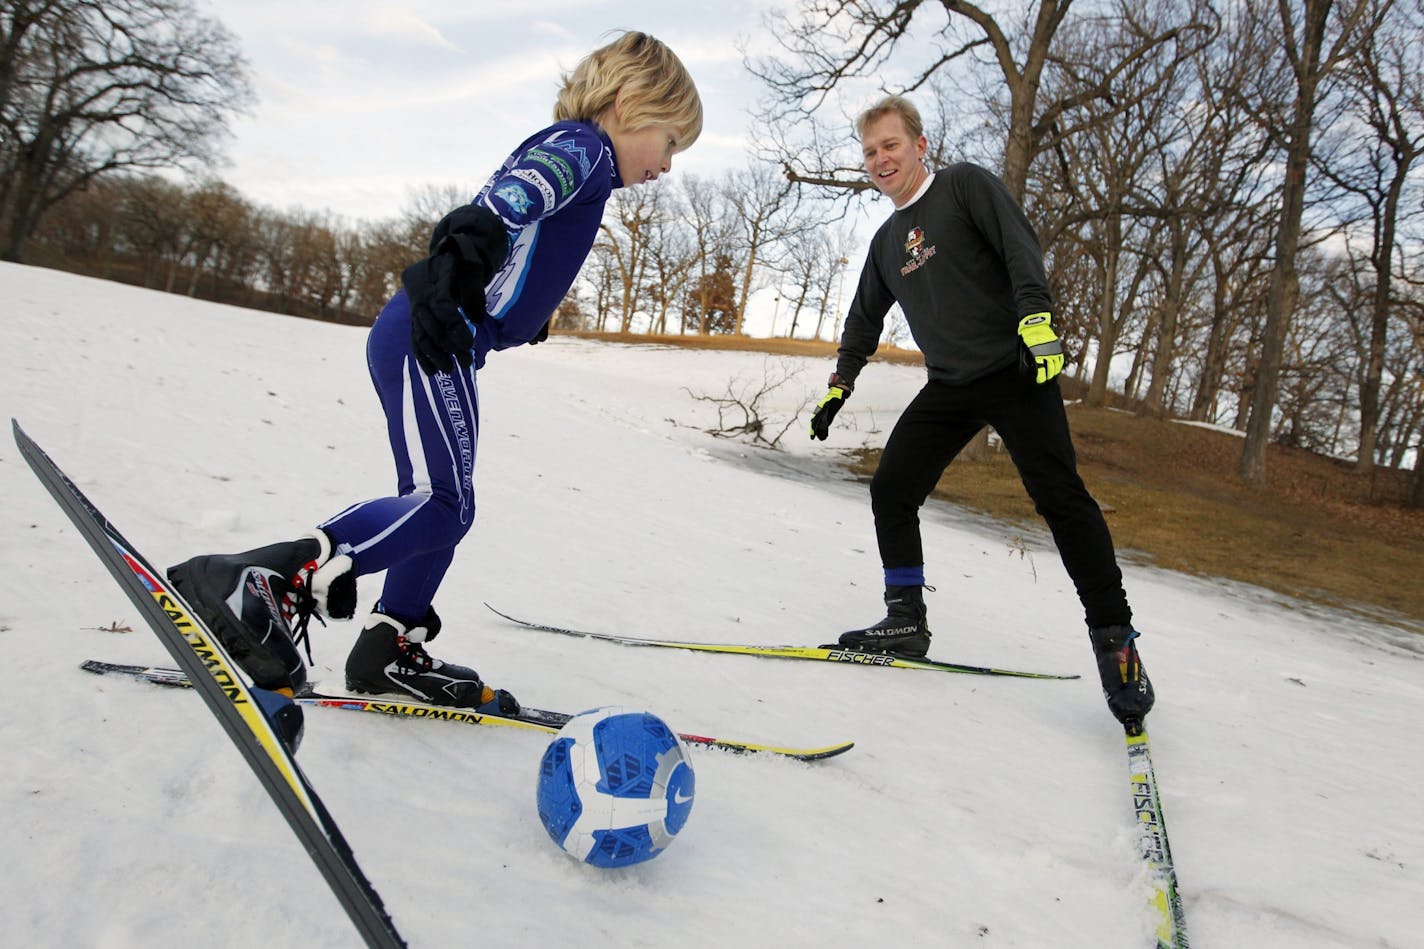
(533, 719)
(1166, 900)
(814, 653)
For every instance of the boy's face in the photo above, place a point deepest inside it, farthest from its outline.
(894, 160)
(645, 154)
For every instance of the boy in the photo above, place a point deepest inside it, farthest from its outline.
(497, 270)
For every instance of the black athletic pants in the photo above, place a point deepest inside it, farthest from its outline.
(1031, 420)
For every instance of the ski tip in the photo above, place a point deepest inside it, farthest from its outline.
(796, 754)
(831, 751)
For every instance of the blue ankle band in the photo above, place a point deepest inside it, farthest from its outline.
(905, 576)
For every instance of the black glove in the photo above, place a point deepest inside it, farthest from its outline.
(543, 333)
(469, 245)
(437, 328)
(829, 405)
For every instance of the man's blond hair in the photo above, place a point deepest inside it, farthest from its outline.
(892, 105)
(657, 89)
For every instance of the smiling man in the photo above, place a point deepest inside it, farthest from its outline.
(963, 262)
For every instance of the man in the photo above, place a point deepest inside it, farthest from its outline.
(963, 262)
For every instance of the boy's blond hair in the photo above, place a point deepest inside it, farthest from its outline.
(892, 105)
(657, 89)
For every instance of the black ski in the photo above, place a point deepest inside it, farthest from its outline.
(215, 677)
(813, 653)
(535, 719)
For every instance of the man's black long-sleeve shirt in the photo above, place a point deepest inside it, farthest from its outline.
(964, 264)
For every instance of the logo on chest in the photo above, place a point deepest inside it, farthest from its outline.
(917, 252)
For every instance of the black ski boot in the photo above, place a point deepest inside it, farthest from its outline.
(248, 600)
(904, 630)
(1125, 683)
(390, 656)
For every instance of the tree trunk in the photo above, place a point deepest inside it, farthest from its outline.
(1107, 313)
(1285, 282)
(1214, 367)
(1416, 497)
(1379, 325)
(1155, 403)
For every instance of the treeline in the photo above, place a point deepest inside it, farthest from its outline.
(1229, 192)
(1163, 208)
(682, 256)
(208, 241)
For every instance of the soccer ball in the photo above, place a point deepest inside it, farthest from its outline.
(615, 787)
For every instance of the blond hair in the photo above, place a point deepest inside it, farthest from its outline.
(892, 105)
(656, 88)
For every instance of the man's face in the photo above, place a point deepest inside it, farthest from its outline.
(894, 159)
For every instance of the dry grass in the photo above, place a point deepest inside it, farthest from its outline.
(1318, 533)
(1172, 498)
(777, 347)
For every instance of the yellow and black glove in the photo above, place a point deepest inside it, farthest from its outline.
(1042, 352)
(829, 405)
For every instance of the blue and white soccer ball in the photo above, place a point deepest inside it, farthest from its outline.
(615, 787)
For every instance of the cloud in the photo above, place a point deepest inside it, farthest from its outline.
(550, 28)
(399, 23)
(361, 99)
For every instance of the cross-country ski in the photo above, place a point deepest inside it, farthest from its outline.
(834, 654)
(534, 719)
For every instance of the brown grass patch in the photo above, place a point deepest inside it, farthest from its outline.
(777, 347)
(1172, 498)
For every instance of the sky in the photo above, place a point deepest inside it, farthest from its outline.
(360, 103)
(973, 813)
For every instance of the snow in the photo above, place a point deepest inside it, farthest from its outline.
(972, 811)
(1213, 427)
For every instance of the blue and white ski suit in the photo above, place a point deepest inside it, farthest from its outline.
(550, 194)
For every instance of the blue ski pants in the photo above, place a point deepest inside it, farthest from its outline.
(433, 426)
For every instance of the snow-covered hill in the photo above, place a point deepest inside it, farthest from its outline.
(973, 812)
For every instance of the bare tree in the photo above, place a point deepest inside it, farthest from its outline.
(711, 231)
(671, 260)
(1410, 424)
(385, 248)
(829, 45)
(153, 223)
(763, 206)
(1236, 231)
(83, 229)
(630, 221)
(1236, 244)
(427, 204)
(216, 213)
(1387, 99)
(90, 87)
(1402, 418)
(600, 270)
(1084, 205)
(810, 263)
(316, 268)
(1314, 39)
(1318, 364)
